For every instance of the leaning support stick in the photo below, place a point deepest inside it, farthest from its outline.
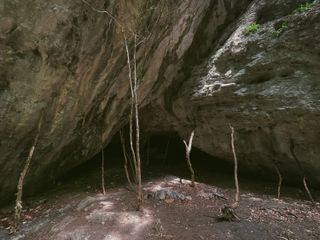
(134, 118)
(18, 206)
(301, 171)
(125, 159)
(227, 212)
(188, 151)
(236, 181)
(102, 167)
(279, 179)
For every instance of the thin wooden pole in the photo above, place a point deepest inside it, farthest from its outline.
(236, 181)
(301, 171)
(188, 151)
(102, 167)
(279, 179)
(125, 159)
(18, 206)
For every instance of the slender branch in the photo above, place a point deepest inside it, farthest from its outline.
(132, 105)
(227, 212)
(279, 179)
(236, 203)
(134, 111)
(125, 159)
(102, 167)
(136, 103)
(301, 171)
(103, 11)
(188, 151)
(307, 189)
(18, 206)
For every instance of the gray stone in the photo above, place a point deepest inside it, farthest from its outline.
(85, 203)
(60, 226)
(161, 194)
(181, 197)
(101, 216)
(189, 198)
(76, 234)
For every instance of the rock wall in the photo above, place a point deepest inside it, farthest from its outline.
(265, 84)
(65, 60)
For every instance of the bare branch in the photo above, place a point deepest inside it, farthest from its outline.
(236, 203)
(279, 179)
(307, 190)
(103, 11)
(18, 206)
(227, 212)
(102, 167)
(125, 159)
(301, 171)
(134, 111)
(137, 151)
(188, 151)
(132, 104)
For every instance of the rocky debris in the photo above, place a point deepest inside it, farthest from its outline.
(163, 194)
(85, 203)
(77, 234)
(66, 208)
(18, 237)
(113, 216)
(7, 25)
(101, 216)
(210, 195)
(61, 225)
(282, 211)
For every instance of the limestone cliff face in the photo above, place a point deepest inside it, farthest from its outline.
(265, 83)
(66, 60)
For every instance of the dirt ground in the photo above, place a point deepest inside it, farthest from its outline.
(172, 210)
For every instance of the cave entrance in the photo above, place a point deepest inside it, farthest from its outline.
(164, 155)
(161, 155)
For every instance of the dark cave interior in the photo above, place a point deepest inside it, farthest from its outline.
(163, 155)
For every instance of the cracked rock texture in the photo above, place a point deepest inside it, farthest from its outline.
(65, 60)
(265, 84)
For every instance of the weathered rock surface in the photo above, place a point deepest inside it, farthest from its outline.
(266, 85)
(65, 60)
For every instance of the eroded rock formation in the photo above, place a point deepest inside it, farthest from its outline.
(198, 70)
(266, 85)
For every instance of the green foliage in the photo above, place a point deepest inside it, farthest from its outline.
(304, 7)
(284, 26)
(252, 28)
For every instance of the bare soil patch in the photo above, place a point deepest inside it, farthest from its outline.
(172, 210)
